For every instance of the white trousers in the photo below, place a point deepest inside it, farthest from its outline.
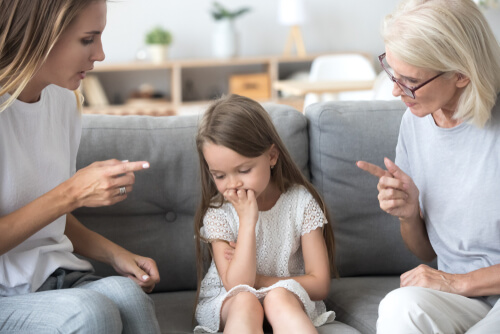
(420, 310)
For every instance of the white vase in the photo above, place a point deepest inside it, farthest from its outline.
(225, 43)
(158, 52)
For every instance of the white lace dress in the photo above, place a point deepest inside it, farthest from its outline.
(279, 254)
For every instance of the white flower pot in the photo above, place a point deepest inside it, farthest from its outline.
(225, 43)
(158, 52)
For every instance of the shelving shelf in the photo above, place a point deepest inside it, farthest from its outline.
(173, 71)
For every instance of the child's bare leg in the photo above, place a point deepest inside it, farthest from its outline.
(285, 313)
(242, 313)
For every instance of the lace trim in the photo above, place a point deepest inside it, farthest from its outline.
(216, 226)
(313, 217)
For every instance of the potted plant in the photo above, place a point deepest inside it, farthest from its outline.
(158, 39)
(225, 38)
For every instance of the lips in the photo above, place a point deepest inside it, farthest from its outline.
(409, 104)
(83, 74)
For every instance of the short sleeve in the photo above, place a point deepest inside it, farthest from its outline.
(216, 226)
(313, 217)
(401, 159)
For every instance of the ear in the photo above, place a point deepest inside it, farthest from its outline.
(274, 153)
(462, 80)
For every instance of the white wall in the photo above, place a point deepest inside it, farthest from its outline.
(333, 25)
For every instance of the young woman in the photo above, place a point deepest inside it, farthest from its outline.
(255, 198)
(444, 186)
(46, 48)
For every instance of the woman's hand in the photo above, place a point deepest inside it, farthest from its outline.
(245, 203)
(427, 277)
(398, 194)
(99, 183)
(141, 270)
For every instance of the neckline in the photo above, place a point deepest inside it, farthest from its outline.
(29, 107)
(278, 201)
(454, 129)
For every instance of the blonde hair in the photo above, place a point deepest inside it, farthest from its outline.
(243, 126)
(449, 36)
(28, 31)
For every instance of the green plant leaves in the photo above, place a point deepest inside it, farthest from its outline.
(219, 12)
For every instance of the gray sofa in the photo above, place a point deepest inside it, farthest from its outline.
(156, 220)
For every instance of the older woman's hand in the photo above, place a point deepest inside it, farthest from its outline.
(398, 194)
(103, 183)
(427, 277)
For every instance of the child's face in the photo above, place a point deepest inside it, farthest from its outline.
(231, 170)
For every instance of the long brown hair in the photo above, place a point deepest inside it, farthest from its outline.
(242, 125)
(28, 31)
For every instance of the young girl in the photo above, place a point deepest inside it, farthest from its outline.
(255, 196)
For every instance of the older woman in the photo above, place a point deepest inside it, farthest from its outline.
(445, 184)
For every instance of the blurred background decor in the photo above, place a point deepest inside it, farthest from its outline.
(158, 39)
(192, 76)
(485, 4)
(292, 13)
(225, 37)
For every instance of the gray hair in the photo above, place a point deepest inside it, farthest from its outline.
(449, 36)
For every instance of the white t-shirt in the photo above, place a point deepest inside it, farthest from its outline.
(38, 146)
(457, 171)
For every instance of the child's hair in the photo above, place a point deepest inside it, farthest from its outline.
(28, 31)
(242, 125)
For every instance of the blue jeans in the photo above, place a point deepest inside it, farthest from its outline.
(75, 302)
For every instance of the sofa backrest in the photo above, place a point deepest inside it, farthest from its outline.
(156, 220)
(368, 240)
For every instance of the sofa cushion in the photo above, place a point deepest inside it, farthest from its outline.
(174, 311)
(156, 219)
(355, 300)
(368, 240)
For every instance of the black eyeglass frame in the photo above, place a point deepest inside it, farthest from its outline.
(407, 90)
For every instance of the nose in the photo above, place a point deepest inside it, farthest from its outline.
(396, 90)
(234, 183)
(98, 52)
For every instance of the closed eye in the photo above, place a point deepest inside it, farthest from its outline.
(246, 171)
(218, 177)
(87, 41)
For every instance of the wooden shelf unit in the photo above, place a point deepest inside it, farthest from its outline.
(174, 74)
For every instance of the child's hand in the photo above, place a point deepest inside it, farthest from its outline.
(245, 203)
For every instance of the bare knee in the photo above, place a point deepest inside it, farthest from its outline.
(279, 303)
(244, 304)
(246, 300)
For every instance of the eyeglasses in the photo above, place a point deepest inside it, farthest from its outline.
(407, 90)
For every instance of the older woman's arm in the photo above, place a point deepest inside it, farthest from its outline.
(398, 196)
(415, 236)
(481, 282)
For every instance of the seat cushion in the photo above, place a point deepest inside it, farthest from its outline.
(355, 300)
(174, 311)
